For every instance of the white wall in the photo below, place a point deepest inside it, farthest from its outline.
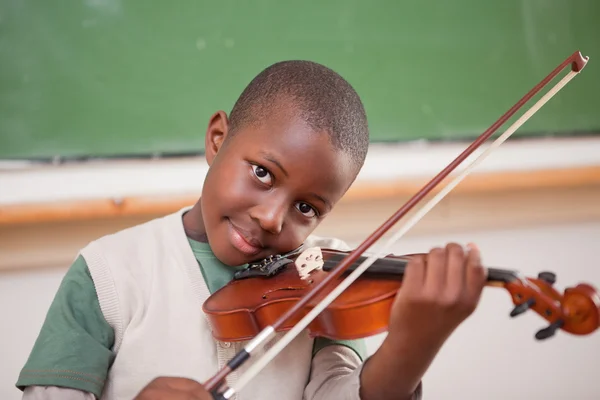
(489, 357)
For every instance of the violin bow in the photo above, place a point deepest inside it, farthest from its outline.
(577, 63)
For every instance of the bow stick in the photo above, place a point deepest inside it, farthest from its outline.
(577, 63)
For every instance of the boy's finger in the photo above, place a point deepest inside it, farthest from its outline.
(476, 274)
(181, 383)
(200, 393)
(414, 274)
(457, 267)
(435, 279)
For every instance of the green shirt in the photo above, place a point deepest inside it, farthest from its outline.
(74, 346)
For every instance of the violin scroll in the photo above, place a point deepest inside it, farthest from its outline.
(577, 311)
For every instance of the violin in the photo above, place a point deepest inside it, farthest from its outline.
(324, 294)
(258, 295)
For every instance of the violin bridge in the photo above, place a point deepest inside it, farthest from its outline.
(309, 260)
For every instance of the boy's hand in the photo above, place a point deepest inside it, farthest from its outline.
(175, 389)
(439, 291)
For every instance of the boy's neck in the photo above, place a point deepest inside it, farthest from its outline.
(198, 238)
(193, 225)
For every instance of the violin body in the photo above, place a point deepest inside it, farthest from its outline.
(260, 295)
(244, 307)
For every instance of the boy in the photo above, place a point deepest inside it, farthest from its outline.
(129, 309)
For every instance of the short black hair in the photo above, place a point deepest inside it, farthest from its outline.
(323, 99)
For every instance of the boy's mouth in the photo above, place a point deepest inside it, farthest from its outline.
(242, 240)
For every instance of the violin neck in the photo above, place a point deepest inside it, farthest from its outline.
(395, 267)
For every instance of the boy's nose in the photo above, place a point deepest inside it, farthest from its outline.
(270, 216)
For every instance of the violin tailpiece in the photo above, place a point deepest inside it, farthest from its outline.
(268, 267)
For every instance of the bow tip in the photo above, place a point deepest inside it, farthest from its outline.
(579, 61)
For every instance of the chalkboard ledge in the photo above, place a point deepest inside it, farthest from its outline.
(99, 190)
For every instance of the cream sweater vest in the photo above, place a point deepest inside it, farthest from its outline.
(151, 292)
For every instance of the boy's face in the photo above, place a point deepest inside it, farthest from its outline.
(268, 187)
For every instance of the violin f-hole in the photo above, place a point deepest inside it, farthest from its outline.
(265, 295)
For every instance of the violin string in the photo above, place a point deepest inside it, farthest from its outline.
(262, 362)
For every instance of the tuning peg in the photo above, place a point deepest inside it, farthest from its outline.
(521, 308)
(550, 330)
(548, 277)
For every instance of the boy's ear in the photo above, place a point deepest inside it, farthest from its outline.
(217, 130)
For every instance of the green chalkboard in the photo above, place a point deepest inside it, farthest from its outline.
(116, 77)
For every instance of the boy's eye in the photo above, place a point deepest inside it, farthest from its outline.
(262, 174)
(306, 209)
